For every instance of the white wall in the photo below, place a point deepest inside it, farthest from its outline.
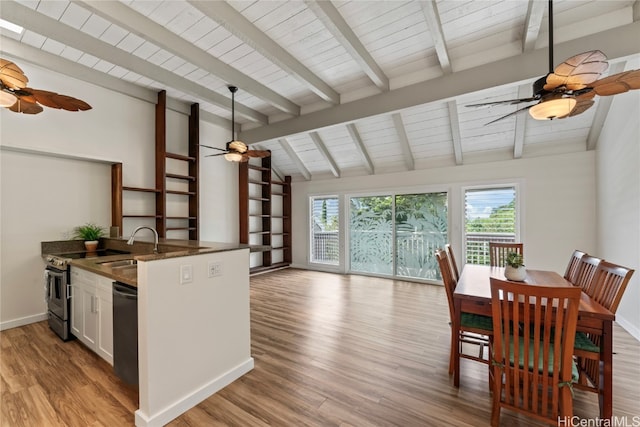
(618, 189)
(119, 128)
(557, 202)
(194, 338)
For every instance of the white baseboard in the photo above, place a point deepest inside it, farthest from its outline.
(180, 407)
(8, 324)
(629, 327)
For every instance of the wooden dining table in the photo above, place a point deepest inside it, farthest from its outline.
(473, 295)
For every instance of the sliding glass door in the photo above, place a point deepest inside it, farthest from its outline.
(421, 228)
(397, 234)
(370, 234)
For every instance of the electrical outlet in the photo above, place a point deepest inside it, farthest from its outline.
(186, 274)
(215, 269)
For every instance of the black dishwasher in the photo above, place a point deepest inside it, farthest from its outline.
(125, 332)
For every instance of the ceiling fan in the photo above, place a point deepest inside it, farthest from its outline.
(236, 151)
(17, 97)
(569, 89)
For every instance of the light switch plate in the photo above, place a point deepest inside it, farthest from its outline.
(215, 269)
(186, 274)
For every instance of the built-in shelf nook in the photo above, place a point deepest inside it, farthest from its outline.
(176, 181)
(265, 215)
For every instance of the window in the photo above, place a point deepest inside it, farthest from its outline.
(324, 230)
(490, 216)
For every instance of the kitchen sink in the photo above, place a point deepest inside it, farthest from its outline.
(119, 264)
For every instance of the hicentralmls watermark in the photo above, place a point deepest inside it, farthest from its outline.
(575, 421)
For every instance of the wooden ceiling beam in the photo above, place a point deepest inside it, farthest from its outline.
(62, 33)
(295, 158)
(362, 149)
(138, 24)
(334, 22)
(404, 141)
(233, 21)
(617, 42)
(335, 170)
(431, 15)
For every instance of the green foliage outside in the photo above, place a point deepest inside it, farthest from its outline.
(501, 220)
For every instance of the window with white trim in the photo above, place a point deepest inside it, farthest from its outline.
(324, 229)
(491, 215)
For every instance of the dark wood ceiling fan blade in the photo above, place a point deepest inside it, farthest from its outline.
(504, 102)
(578, 71)
(215, 155)
(11, 75)
(55, 100)
(510, 114)
(25, 107)
(582, 105)
(258, 153)
(213, 148)
(617, 83)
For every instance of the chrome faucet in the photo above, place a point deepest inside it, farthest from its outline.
(155, 234)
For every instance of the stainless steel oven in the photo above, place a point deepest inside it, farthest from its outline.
(57, 288)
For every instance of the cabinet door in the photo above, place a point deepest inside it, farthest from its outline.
(90, 318)
(104, 300)
(77, 311)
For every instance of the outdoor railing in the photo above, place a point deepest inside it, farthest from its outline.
(478, 245)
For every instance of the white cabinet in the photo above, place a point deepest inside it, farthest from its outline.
(92, 311)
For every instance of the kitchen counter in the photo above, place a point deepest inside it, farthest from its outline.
(141, 251)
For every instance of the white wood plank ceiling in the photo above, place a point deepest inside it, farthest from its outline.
(338, 88)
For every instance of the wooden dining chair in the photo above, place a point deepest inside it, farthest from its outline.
(452, 261)
(474, 329)
(609, 283)
(572, 268)
(533, 369)
(586, 272)
(498, 252)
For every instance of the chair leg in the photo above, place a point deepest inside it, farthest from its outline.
(451, 361)
(497, 395)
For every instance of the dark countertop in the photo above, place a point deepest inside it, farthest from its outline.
(141, 250)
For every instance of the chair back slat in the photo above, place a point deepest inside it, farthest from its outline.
(586, 273)
(534, 333)
(498, 252)
(448, 280)
(609, 284)
(572, 268)
(452, 261)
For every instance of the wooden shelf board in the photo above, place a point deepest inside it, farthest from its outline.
(181, 217)
(260, 199)
(259, 216)
(184, 177)
(141, 216)
(258, 232)
(258, 168)
(144, 190)
(269, 267)
(279, 234)
(253, 181)
(184, 193)
(180, 157)
(180, 228)
(278, 182)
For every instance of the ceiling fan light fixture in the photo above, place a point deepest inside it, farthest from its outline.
(553, 108)
(238, 146)
(7, 99)
(233, 157)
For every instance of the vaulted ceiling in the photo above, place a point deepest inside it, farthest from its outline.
(339, 88)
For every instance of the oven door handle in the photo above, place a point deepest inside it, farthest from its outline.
(46, 287)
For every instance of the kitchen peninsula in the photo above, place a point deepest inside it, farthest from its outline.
(193, 326)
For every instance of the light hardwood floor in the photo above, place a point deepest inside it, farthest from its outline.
(329, 350)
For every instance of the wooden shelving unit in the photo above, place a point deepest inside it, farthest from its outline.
(265, 215)
(190, 218)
